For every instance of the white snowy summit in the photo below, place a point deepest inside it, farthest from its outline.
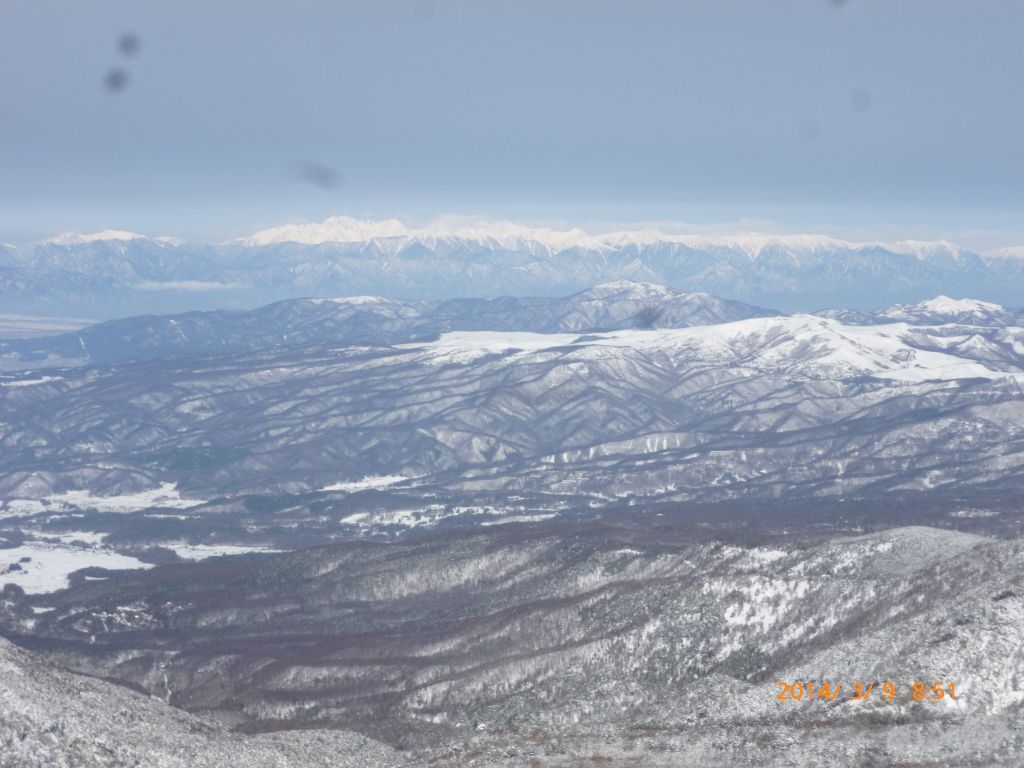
(73, 238)
(337, 229)
(943, 309)
(108, 235)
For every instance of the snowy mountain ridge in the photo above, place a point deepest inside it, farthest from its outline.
(801, 345)
(114, 273)
(488, 234)
(499, 233)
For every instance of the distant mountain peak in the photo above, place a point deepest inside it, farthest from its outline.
(945, 309)
(946, 305)
(634, 288)
(336, 229)
(74, 238)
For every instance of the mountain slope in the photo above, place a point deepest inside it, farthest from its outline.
(51, 717)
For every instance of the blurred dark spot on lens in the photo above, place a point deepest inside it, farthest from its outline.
(128, 44)
(860, 100)
(837, 3)
(648, 317)
(320, 175)
(115, 80)
(809, 129)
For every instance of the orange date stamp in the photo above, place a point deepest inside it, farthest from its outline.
(862, 691)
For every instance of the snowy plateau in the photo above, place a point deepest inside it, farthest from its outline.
(595, 529)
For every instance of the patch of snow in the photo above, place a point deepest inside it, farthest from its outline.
(203, 551)
(366, 483)
(19, 507)
(464, 346)
(521, 519)
(970, 513)
(166, 495)
(356, 519)
(355, 301)
(411, 518)
(30, 382)
(49, 565)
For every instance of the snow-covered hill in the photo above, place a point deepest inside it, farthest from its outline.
(799, 347)
(936, 311)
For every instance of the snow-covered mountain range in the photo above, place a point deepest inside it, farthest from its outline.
(489, 234)
(113, 273)
(624, 390)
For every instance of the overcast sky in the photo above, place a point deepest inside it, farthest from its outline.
(866, 117)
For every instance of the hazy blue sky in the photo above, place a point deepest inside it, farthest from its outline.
(863, 116)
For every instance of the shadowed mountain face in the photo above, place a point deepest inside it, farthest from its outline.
(647, 644)
(370, 320)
